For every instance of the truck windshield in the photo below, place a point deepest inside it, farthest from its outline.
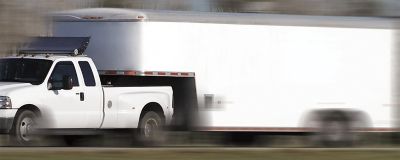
(24, 70)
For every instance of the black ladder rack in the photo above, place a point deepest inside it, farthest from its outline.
(55, 46)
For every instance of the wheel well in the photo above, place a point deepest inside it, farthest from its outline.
(335, 115)
(155, 107)
(356, 119)
(31, 107)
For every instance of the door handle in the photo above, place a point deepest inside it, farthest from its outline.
(81, 96)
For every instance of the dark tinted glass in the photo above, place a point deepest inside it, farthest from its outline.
(62, 69)
(25, 70)
(87, 73)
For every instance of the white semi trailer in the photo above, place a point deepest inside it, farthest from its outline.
(251, 72)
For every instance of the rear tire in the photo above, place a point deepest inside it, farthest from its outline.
(151, 129)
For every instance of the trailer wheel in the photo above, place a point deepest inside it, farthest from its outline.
(151, 129)
(334, 131)
(24, 127)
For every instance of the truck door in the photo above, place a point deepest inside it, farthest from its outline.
(91, 96)
(66, 106)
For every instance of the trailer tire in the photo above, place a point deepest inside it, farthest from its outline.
(23, 126)
(334, 131)
(151, 129)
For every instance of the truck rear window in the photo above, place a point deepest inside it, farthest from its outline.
(87, 73)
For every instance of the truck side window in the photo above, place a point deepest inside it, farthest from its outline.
(87, 73)
(65, 68)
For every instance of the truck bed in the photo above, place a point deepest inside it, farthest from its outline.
(123, 105)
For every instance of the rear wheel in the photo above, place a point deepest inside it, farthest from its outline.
(151, 129)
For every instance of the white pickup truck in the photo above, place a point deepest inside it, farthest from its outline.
(51, 86)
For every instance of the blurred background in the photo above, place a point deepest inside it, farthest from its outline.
(22, 18)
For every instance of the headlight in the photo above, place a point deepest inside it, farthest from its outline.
(5, 102)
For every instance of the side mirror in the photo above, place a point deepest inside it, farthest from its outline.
(67, 83)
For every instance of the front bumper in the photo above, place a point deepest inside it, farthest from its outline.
(6, 120)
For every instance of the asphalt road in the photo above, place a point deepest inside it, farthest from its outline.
(197, 153)
(95, 149)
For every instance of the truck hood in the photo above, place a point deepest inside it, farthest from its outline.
(6, 87)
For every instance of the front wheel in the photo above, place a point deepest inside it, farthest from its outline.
(24, 127)
(151, 129)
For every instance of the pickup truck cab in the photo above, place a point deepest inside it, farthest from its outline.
(58, 93)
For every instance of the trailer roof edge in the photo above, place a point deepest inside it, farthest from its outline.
(133, 15)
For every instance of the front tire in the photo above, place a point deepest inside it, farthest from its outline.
(24, 128)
